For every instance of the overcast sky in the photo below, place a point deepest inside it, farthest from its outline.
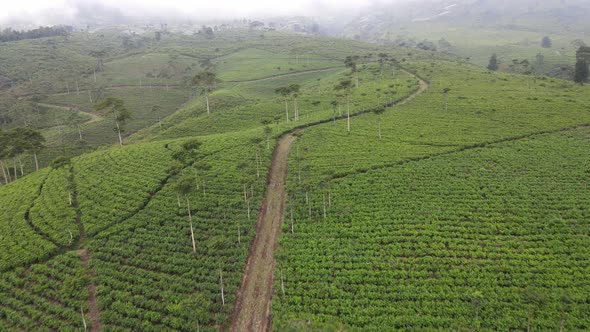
(47, 12)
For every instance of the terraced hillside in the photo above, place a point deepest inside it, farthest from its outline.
(447, 198)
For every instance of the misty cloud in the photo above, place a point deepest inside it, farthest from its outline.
(31, 13)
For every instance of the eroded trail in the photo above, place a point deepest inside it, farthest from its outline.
(252, 308)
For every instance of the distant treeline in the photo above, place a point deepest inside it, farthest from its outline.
(9, 34)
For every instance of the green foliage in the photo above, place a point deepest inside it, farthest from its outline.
(60, 162)
(113, 184)
(46, 296)
(546, 42)
(581, 72)
(470, 238)
(19, 243)
(493, 64)
(427, 217)
(146, 267)
(52, 214)
(205, 81)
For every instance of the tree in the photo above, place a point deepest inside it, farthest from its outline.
(378, 111)
(583, 53)
(60, 162)
(267, 132)
(581, 72)
(72, 122)
(205, 81)
(351, 62)
(294, 89)
(188, 152)
(346, 87)
(446, 93)
(493, 64)
(382, 60)
(285, 92)
(115, 107)
(183, 187)
(3, 154)
(546, 42)
(30, 141)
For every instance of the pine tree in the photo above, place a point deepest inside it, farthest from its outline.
(581, 71)
(493, 65)
(546, 42)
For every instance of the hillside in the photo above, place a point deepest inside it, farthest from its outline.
(417, 192)
(475, 30)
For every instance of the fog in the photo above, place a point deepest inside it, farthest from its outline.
(30, 13)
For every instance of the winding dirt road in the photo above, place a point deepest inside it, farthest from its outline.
(252, 307)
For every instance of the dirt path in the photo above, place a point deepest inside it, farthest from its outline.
(302, 72)
(93, 116)
(93, 310)
(252, 307)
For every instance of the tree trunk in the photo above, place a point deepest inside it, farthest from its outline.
(221, 285)
(207, 100)
(379, 129)
(14, 166)
(119, 132)
(329, 199)
(8, 172)
(20, 165)
(4, 172)
(68, 87)
(339, 109)
(77, 88)
(287, 109)
(90, 96)
(190, 218)
(348, 112)
(83, 319)
(356, 72)
(79, 131)
(36, 161)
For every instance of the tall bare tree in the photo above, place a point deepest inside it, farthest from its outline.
(116, 108)
(206, 82)
(346, 87)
